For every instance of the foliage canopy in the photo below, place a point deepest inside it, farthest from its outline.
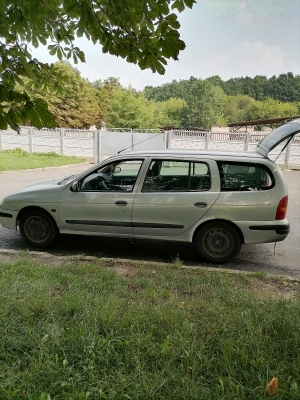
(142, 32)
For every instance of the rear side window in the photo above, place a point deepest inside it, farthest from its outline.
(176, 176)
(243, 177)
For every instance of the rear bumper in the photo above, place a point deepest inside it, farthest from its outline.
(263, 231)
(279, 229)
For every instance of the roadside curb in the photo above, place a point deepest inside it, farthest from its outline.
(136, 263)
(46, 168)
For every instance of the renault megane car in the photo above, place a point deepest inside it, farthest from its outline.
(217, 200)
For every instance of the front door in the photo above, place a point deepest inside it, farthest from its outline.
(174, 196)
(104, 200)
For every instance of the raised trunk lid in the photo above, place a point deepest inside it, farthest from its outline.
(277, 136)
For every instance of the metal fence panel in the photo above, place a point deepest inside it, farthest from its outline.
(147, 141)
(112, 142)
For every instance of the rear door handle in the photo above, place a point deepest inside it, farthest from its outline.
(200, 204)
(121, 203)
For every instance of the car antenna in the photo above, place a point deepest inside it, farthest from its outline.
(140, 142)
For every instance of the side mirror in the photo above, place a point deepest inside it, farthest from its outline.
(75, 187)
(117, 170)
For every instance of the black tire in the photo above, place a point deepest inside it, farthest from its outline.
(38, 229)
(218, 242)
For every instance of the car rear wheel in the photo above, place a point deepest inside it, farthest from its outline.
(218, 242)
(38, 229)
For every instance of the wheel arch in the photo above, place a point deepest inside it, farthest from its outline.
(27, 209)
(218, 220)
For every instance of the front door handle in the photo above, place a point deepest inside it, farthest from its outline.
(121, 203)
(200, 204)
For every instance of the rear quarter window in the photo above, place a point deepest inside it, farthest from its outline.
(243, 177)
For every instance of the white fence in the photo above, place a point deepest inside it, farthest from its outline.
(289, 157)
(101, 144)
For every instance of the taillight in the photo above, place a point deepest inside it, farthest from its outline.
(281, 208)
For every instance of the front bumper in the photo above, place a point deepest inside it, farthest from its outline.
(8, 219)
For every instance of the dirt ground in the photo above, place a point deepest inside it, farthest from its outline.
(261, 285)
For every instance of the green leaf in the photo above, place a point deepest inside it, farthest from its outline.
(190, 3)
(179, 5)
(53, 51)
(3, 123)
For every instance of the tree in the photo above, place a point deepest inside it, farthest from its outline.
(171, 112)
(131, 110)
(205, 104)
(237, 108)
(76, 106)
(104, 93)
(271, 108)
(142, 32)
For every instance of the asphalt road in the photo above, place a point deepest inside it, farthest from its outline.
(284, 259)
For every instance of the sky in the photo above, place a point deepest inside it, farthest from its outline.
(245, 41)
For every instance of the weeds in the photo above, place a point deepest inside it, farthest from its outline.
(18, 159)
(177, 262)
(83, 331)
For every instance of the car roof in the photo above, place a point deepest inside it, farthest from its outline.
(194, 153)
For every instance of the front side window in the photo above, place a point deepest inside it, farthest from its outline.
(243, 177)
(119, 176)
(170, 176)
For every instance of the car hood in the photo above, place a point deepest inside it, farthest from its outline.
(284, 132)
(47, 191)
(48, 183)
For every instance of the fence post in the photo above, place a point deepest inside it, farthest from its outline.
(170, 138)
(0, 140)
(166, 140)
(30, 140)
(95, 146)
(62, 135)
(247, 142)
(287, 154)
(99, 134)
(207, 140)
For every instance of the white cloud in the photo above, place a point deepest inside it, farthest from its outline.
(248, 59)
(245, 17)
(250, 19)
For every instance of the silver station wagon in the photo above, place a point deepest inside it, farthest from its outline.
(217, 200)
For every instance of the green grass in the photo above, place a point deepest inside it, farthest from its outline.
(85, 332)
(18, 159)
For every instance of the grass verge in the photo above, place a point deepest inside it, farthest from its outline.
(105, 331)
(18, 159)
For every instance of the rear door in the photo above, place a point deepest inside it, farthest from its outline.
(175, 194)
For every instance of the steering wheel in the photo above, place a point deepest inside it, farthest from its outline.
(101, 183)
(95, 183)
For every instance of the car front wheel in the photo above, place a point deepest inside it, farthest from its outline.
(38, 229)
(218, 242)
